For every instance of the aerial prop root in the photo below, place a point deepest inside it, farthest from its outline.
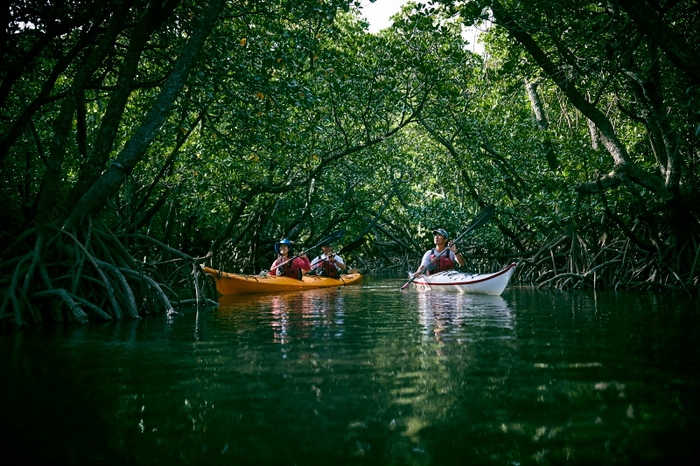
(616, 262)
(92, 278)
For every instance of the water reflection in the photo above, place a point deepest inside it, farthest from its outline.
(293, 315)
(463, 338)
(363, 375)
(447, 315)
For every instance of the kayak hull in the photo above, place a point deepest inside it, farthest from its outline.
(489, 284)
(232, 283)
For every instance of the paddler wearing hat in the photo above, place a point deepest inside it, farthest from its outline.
(445, 262)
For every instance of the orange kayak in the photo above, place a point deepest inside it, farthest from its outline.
(233, 283)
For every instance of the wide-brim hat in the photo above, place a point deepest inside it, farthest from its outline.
(441, 231)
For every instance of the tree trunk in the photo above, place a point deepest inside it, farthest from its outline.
(90, 171)
(623, 165)
(135, 149)
(537, 107)
(681, 54)
(63, 124)
(542, 124)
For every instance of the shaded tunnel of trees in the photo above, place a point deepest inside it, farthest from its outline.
(142, 139)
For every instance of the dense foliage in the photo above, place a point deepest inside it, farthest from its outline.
(142, 139)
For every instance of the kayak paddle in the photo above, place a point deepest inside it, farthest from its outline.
(481, 219)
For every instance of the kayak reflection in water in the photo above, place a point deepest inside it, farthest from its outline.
(328, 264)
(297, 267)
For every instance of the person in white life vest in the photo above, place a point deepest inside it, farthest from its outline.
(328, 264)
(447, 261)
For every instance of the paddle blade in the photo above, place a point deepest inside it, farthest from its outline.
(483, 217)
(332, 237)
(354, 244)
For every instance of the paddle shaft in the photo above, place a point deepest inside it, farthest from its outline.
(481, 219)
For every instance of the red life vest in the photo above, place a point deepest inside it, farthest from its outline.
(442, 264)
(328, 269)
(290, 269)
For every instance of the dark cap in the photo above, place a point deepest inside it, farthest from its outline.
(441, 231)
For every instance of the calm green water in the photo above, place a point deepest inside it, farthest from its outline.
(364, 375)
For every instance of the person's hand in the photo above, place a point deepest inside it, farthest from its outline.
(331, 259)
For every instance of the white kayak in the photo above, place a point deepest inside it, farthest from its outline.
(487, 283)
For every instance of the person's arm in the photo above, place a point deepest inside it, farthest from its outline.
(424, 262)
(338, 261)
(273, 270)
(303, 263)
(456, 256)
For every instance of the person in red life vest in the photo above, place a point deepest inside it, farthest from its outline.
(328, 264)
(447, 261)
(286, 265)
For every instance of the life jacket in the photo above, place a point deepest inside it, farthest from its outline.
(442, 264)
(290, 269)
(328, 269)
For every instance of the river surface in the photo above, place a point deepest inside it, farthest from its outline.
(364, 375)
